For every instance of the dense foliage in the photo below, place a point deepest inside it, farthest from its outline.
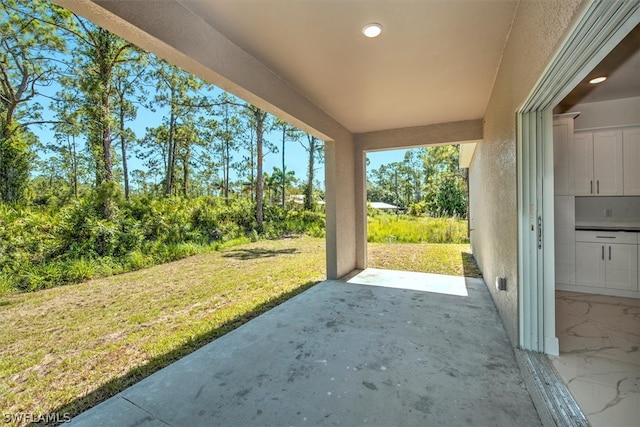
(42, 247)
(427, 182)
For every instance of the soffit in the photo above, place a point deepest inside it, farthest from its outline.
(435, 61)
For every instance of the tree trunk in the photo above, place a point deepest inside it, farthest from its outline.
(74, 166)
(171, 152)
(260, 118)
(284, 167)
(106, 154)
(123, 148)
(252, 177)
(226, 171)
(185, 173)
(308, 196)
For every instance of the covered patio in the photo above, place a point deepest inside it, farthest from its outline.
(482, 73)
(348, 352)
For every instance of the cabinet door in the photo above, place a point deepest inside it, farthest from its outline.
(590, 268)
(622, 267)
(607, 163)
(631, 161)
(563, 157)
(583, 163)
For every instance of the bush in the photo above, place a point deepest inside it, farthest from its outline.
(45, 246)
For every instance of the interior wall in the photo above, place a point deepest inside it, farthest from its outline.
(617, 112)
(537, 31)
(591, 210)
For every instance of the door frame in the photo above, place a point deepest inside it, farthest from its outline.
(602, 25)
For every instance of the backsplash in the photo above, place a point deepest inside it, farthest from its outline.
(624, 210)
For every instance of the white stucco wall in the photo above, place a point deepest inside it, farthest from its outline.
(538, 29)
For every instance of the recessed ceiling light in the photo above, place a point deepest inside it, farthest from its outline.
(372, 30)
(597, 80)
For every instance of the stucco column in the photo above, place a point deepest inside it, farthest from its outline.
(361, 207)
(340, 190)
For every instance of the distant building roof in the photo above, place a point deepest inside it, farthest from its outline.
(382, 205)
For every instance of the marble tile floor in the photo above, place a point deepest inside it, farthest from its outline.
(599, 356)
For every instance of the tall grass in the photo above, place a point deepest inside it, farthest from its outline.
(384, 228)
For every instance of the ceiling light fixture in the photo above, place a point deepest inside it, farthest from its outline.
(597, 80)
(372, 30)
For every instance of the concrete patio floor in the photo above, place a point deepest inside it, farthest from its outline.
(344, 353)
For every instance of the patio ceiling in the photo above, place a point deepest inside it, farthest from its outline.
(434, 62)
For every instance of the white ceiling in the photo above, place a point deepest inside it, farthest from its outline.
(435, 61)
(622, 68)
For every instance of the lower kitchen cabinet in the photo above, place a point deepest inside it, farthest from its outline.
(607, 260)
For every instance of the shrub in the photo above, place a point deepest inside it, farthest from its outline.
(45, 246)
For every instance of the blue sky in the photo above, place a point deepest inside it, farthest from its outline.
(295, 155)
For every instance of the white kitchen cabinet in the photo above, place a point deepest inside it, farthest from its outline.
(590, 264)
(583, 163)
(598, 159)
(563, 176)
(631, 161)
(622, 267)
(607, 260)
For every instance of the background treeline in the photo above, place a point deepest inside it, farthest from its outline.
(86, 87)
(428, 181)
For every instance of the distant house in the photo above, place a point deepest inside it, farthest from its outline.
(297, 199)
(383, 206)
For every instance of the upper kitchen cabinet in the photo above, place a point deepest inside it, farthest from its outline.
(563, 178)
(598, 168)
(631, 165)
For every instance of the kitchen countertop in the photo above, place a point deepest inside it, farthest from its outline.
(608, 227)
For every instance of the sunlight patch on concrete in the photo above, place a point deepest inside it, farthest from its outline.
(427, 282)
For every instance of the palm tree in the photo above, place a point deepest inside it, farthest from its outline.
(282, 182)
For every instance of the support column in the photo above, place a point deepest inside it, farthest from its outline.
(340, 207)
(361, 207)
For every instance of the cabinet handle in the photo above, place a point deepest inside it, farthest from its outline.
(598, 186)
(591, 187)
(603, 252)
(605, 237)
(609, 253)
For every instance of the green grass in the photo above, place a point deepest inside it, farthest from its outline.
(452, 259)
(385, 228)
(65, 349)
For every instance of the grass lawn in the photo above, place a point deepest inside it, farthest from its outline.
(453, 259)
(63, 350)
